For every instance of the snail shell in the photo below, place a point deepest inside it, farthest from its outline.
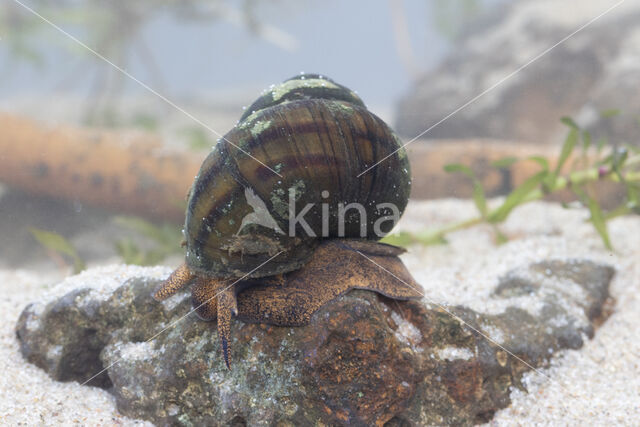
(318, 136)
(285, 192)
(303, 86)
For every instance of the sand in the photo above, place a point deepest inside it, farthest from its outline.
(598, 384)
(29, 396)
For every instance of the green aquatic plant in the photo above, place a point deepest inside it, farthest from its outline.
(197, 138)
(621, 165)
(57, 244)
(164, 241)
(145, 121)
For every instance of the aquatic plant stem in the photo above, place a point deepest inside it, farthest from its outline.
(576, 178)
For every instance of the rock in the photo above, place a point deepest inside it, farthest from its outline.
(595, 69)
(364, 359)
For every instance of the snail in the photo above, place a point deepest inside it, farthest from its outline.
(277, 221)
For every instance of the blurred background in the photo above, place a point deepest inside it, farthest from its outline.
(68, 118)
(218, 54)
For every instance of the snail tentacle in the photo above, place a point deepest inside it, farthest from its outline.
(180, 278)
(227, 307)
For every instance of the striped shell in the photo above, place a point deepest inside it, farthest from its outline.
(304, 86)
(318, 136)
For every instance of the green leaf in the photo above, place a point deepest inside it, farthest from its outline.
(550, 179)
(567, 148)
(586, 140)
(197, 138)
(431, 238)
(504, 163)
(145, 121)
(633, 195)
(606, 161)
(610, 113)
(165, 234)
(516, 197)
(501, 238)
(166, 237)
(129, 252)
(598, 221)
(478, 192)
(457, 167)
(479, 197)
(542, 161)
(132, 254)
(55, 242)
(600, 144)
(402, 239)
(570, 122)
(619, 158)
(620, 210)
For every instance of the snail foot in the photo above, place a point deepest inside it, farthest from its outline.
(180, 278)
(376, 267)
(335, 268)
(216, 299)
(204, 298)
(227, 307)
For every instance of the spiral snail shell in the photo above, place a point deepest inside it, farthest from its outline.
(275, 194)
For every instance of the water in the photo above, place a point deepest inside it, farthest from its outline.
(350, 44)
(116, 193)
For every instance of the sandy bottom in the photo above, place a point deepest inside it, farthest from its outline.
(29, 396)
(599, 384)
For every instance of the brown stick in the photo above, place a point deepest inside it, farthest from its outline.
(132, 173)
(119, 171)
(428, 159)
